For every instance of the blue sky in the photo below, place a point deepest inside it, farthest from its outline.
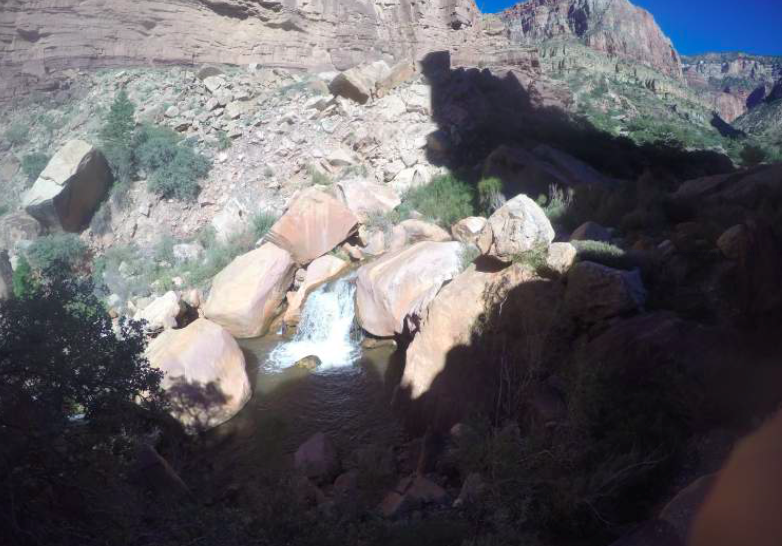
(698, 26)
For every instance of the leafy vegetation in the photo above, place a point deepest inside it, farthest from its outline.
(490, 195)
(34, 164)
(24, 280)
(18, 133)
(751, 156)
(445, 200)
(116, 137)
(65, 249)
(603, 253)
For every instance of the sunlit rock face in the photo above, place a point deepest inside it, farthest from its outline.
(39, 38)
(615, 27)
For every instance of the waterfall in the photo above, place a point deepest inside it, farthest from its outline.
(326, 329)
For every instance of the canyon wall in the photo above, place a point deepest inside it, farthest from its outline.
(615, 27)
(41, 38)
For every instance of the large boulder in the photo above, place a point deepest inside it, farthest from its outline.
(449, 321)
(591, 231)
(246, 294)
(318, 271)
(162, 313)
(519, 226)
(205, 378)
(395, 290)
(70, 188)
(596, 292)
(365, 198)
(6, 276)
(414, 231)
(352, 84)
(17, 227)
(313, 225)
(317, 458)
(471, 231)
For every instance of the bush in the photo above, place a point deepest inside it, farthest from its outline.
(172, 164)
(261, 223)
(24, 281)
(445, 200)
(116, 137)
(34, 164)
(752, 156)
(603, 253)
(65, 249)
(559, 203)
(17, 134)
(490, 195)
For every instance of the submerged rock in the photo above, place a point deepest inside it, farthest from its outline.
(310, 363)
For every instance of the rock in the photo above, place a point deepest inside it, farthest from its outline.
(172, 112)
(162, 313)
(448, 323)
(395, 290)
(410, 494)
(313, 225)
(340, 157)
(596, 292)
(70, 188)
(208, 71)
(519, 226)
(470, 231)
(309, 363)
(235, 109)
(561, 257)
(320, 270)
(214, 83)
(231, 221)
(473, 489)
(205, 379)
(188, 252)
(413, 231)
(317, 458)
(400, 73)
(734, 242)
(193, 298)
(653, 533)
(353, 85)
(246, 295)
(6, 277)
(681, 511)
(365, 198)
(154, 473)
(18, 227)
(591, 231)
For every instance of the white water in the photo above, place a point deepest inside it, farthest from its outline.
(325, 329)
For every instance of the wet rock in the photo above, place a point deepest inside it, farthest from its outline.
(246, 295)
(317, 458)
(319, 270)
(205, 378)
(70, 188)
(309, 363)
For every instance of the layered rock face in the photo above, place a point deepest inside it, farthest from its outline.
(41, 37)
(615, 27)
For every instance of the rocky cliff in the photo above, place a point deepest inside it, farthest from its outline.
(615, 27)
(39, 38)
(734, 82)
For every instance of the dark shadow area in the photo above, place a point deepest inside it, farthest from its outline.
(477, 111)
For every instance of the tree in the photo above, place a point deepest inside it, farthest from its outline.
(752, 156)
(116, 137)
(23, 280)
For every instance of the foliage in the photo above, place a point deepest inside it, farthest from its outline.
(467, 255)
(18, 133)
(24, 281)
(445, 200)
(34, 164)
(559, 203)
(223, 141)
(67, 417)
(318, 178)
(603, 253)
(751, 155)
(535, 258)
(65, 249)
(4, 209)
(261, 223)
(173, 164)
(116, 137)
(490, 195)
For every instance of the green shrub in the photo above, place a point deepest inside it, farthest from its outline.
(261, 223)
(535, 259)
(64, 248)
(490, 195)
(445, 200)
(223, 141)
(752, 155)
(559, 203)
(18, 133)
(4, 209)
(24, 281)
(603, 253)
(34, 164)
(319, 178)
(468, 254)
(173, 165)
(116, 137)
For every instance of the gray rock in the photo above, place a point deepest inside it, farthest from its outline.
(591, 231)
(596, 292)
(519, 226)
(317, 458)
